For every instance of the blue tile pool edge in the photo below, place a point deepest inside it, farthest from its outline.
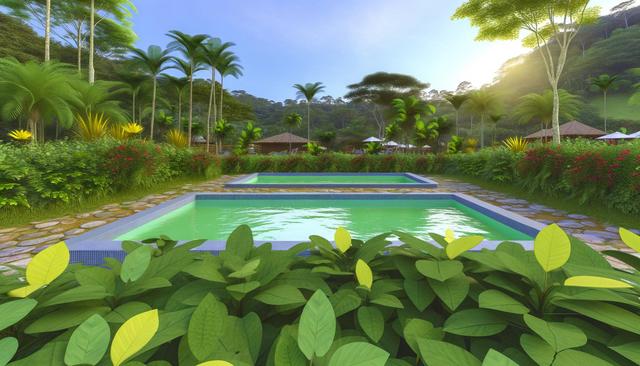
(91, 247)
(420, 182)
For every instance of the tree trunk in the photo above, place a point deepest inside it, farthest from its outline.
(221, 94)
(555, 119)
(482, 131)
(92, 29)
(47, 33)
(153, 105)
(605, 111)
(79, 40)
(190, 105)
(133, 106)
(180, 110)
(457, 118)
(308, 122)
(211, 102)
(289, 141)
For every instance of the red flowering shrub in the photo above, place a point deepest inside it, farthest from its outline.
(204, 164)
(132, 163)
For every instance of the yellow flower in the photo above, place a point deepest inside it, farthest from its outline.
(20, 135)
(133, 128)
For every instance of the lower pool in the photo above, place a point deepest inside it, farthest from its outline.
(329, 180)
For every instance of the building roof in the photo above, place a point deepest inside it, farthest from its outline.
(569, 129)
(283, 138)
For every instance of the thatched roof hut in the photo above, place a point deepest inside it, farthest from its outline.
(280, 143)
(573, 129)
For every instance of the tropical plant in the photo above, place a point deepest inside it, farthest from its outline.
(248, 136)
(483, 103)
(307, 92)
(133, 84)
(495, 118)
(37, 92)
(117, 132)
(132, 128)
(326, 138)
(604, 82)
(222, 130)
(373, 148)
(516, 144)
(392, 131)
(177, 138)
(21, 135)
(190, 48)
(409, 114)
(101, 98)
(456, 101)
(153, 62)
(92, 127)
(427, 131)
(228, 66)
(454, 145)
(179, 85)
(470, 145)
(292, 121)
(539, 107)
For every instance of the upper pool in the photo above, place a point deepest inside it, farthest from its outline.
(332, 180)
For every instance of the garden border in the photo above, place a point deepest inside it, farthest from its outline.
(420, 182)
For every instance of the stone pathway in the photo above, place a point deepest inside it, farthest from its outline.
(18, 244)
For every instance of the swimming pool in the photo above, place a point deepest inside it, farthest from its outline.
(286, 219)
(332, 180)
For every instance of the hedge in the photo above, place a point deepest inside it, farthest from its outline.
(362, 303)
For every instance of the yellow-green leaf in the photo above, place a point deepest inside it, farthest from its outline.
(24, 291)
(342, 239)
(215, 363)
(595, 282)
(631, 239)
(552, 248)
(133, 335)
(459, 246)
(449, 235)
(47, 265)
(364, 274)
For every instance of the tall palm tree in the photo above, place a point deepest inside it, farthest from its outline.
(483, 103)
(308, 91)
(495, 118)
(539, 107)
(604, 82)
(211, 56)
(189, 46)
(456, 101)
(228, 66)
(47, 32)
(133, 83)
(222, 129)
(153, 61)
(179, 84)
(292, 120)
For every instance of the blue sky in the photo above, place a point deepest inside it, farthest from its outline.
(337, 42)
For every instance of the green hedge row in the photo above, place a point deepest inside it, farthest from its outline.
(362, 303)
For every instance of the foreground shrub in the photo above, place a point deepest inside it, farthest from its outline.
(362, 303)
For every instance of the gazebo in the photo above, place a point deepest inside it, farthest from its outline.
(573, 129)
(281, 143)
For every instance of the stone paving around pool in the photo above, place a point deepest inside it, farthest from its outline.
(18, 244)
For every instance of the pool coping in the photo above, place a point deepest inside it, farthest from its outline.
(420, 181)
(102, 238)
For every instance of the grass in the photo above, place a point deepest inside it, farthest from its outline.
(618, 107)
(23, 216)
(603, 214)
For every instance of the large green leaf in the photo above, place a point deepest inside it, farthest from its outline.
(439, 270)
(495, 358)
(317, 326)
(560, 336)
(359, 354)
(371, 321)
(498, 300)
(8, 349)
(552, 248)
(387, 300)
(475, 323)
(416, 329)
(345, 301)
(572, 357)
(459, 246)
(14, 311)
(97, 276)
(80, 293)
(286, 351)
(64, 318)
(604, 312)
(451, 292)
(536, 348)
(88, 343)
(135, 264)
(247, 270)
(418, 244)
(207, 269)
(630, 350)
(419, 292)
(281, 295)
(438, 353)
(240, 242)
(206, 326)
(126, 311)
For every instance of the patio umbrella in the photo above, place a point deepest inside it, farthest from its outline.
(635, 135)
(391, 144)
(372, 139)
(426, 147)
(615, 136)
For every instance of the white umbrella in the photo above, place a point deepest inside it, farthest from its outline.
(372, 139)
(615, 136)
(391, 143)
(635, 135)
(426, 147)
(410, 146)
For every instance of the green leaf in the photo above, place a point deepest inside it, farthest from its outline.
(495, 358)
(207, 269)
(345, 301)
(247, 270)
(126, 311)
(14, 311)
(416, 329)
(498, 300)
(387, 300)
(419, 292)
(439, 270)
(630, 350)
(536, 348)
(418, 244)
(438, 353)
(359, 354)
(552, 248)
(632, 240)
(97, 276)
(459, 246)
(371, 321)
(317, 326)
(451, 292)
(206, 326)
(560, 336)
(8, 349)
(240, 242)
(135, 264)
(475, 323)
(64, 318)
(287, 352)
(281, 295)
(244, 288)
(573, 357)
(342, 238)
(604, 312)
(88, 343)
(80, 293)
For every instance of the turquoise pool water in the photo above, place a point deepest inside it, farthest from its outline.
(296, 219)
(330, 179)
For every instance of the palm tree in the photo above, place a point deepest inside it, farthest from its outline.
(222, 130)
(495, 118)
(248, 135)
(604, 82)
(189, 46)
(179, 84)
(308, 91)
(47, 32)
(211, 56)
(37, 92)
(483, 103)
(133, 84)
(409, 113)
(539, 107)
(456, 101)
(101, 99)
(153, 61)
(228, 67)
(292, 120)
